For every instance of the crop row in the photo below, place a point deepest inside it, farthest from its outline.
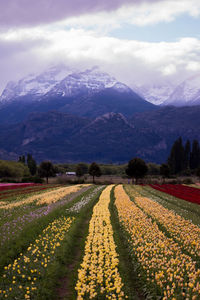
(166, 269)
(21, 278)
(10, 186)
(37, 188)
(187, 193)
(98, 276)
(46, 198)
(12, 228)
(183, 231)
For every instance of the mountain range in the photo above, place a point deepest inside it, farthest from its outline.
(187, 93)
(108, 138)
(89, 93)
(69, 115)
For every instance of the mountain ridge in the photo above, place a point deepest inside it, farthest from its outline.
(111, 137)
(87, 93)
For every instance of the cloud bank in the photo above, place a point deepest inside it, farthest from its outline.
(23, 12)
(130, 61)
(76, 33)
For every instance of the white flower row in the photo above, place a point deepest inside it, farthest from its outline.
(84, 200)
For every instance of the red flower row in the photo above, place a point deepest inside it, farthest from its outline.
(11, 186)
(180, 191)
(36, 188)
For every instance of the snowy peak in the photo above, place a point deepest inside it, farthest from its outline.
(156, 93)
(187, 93)
(61, 81)
(90, 81)
(35, 85)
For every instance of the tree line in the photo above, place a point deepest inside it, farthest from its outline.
(184, 159)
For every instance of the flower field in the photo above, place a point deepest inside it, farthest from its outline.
(99, 242)
(187, 193)
(13, 186)
(163, 263)
(20, 279)
(99, 273)
(6, 194)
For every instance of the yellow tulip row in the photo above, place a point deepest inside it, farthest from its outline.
(20, 279)
(98, 274)
(162, 260)
(182, 230)
(45, 198)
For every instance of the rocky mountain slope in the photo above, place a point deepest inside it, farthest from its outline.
(67, 115)
(108, 138)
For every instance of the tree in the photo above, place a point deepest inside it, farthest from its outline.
(31, 163)
(94, 170)
(176, 158)
(83, 168)
(137, 168)
(46, 169)
(13, 169)
(187, 150)
(153, 169)
(164, 171)
(22, 159)
(195, 155)
(198, 172)
(79, 171)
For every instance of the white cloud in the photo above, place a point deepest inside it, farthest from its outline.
(140, 14)
(129, 61)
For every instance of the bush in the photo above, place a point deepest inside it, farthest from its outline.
(9, 180)
(174, 181)
(34, 179)
(66, 180)
(11, 169)
(187, 181)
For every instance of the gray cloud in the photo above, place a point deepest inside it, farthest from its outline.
(29, 13)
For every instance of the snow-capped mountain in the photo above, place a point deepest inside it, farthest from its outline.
(187, 93)
(35, 85)
(61, 81)
(156, 93)
(87, 93)
(90, 81)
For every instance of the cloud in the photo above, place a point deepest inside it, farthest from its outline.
(139, 14)
(26, 51)
(23, 12)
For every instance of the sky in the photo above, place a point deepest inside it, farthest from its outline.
(139, 42)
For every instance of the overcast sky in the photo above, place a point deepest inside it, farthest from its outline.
(139, 42)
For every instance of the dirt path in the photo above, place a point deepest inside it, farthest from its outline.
(65, 290)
